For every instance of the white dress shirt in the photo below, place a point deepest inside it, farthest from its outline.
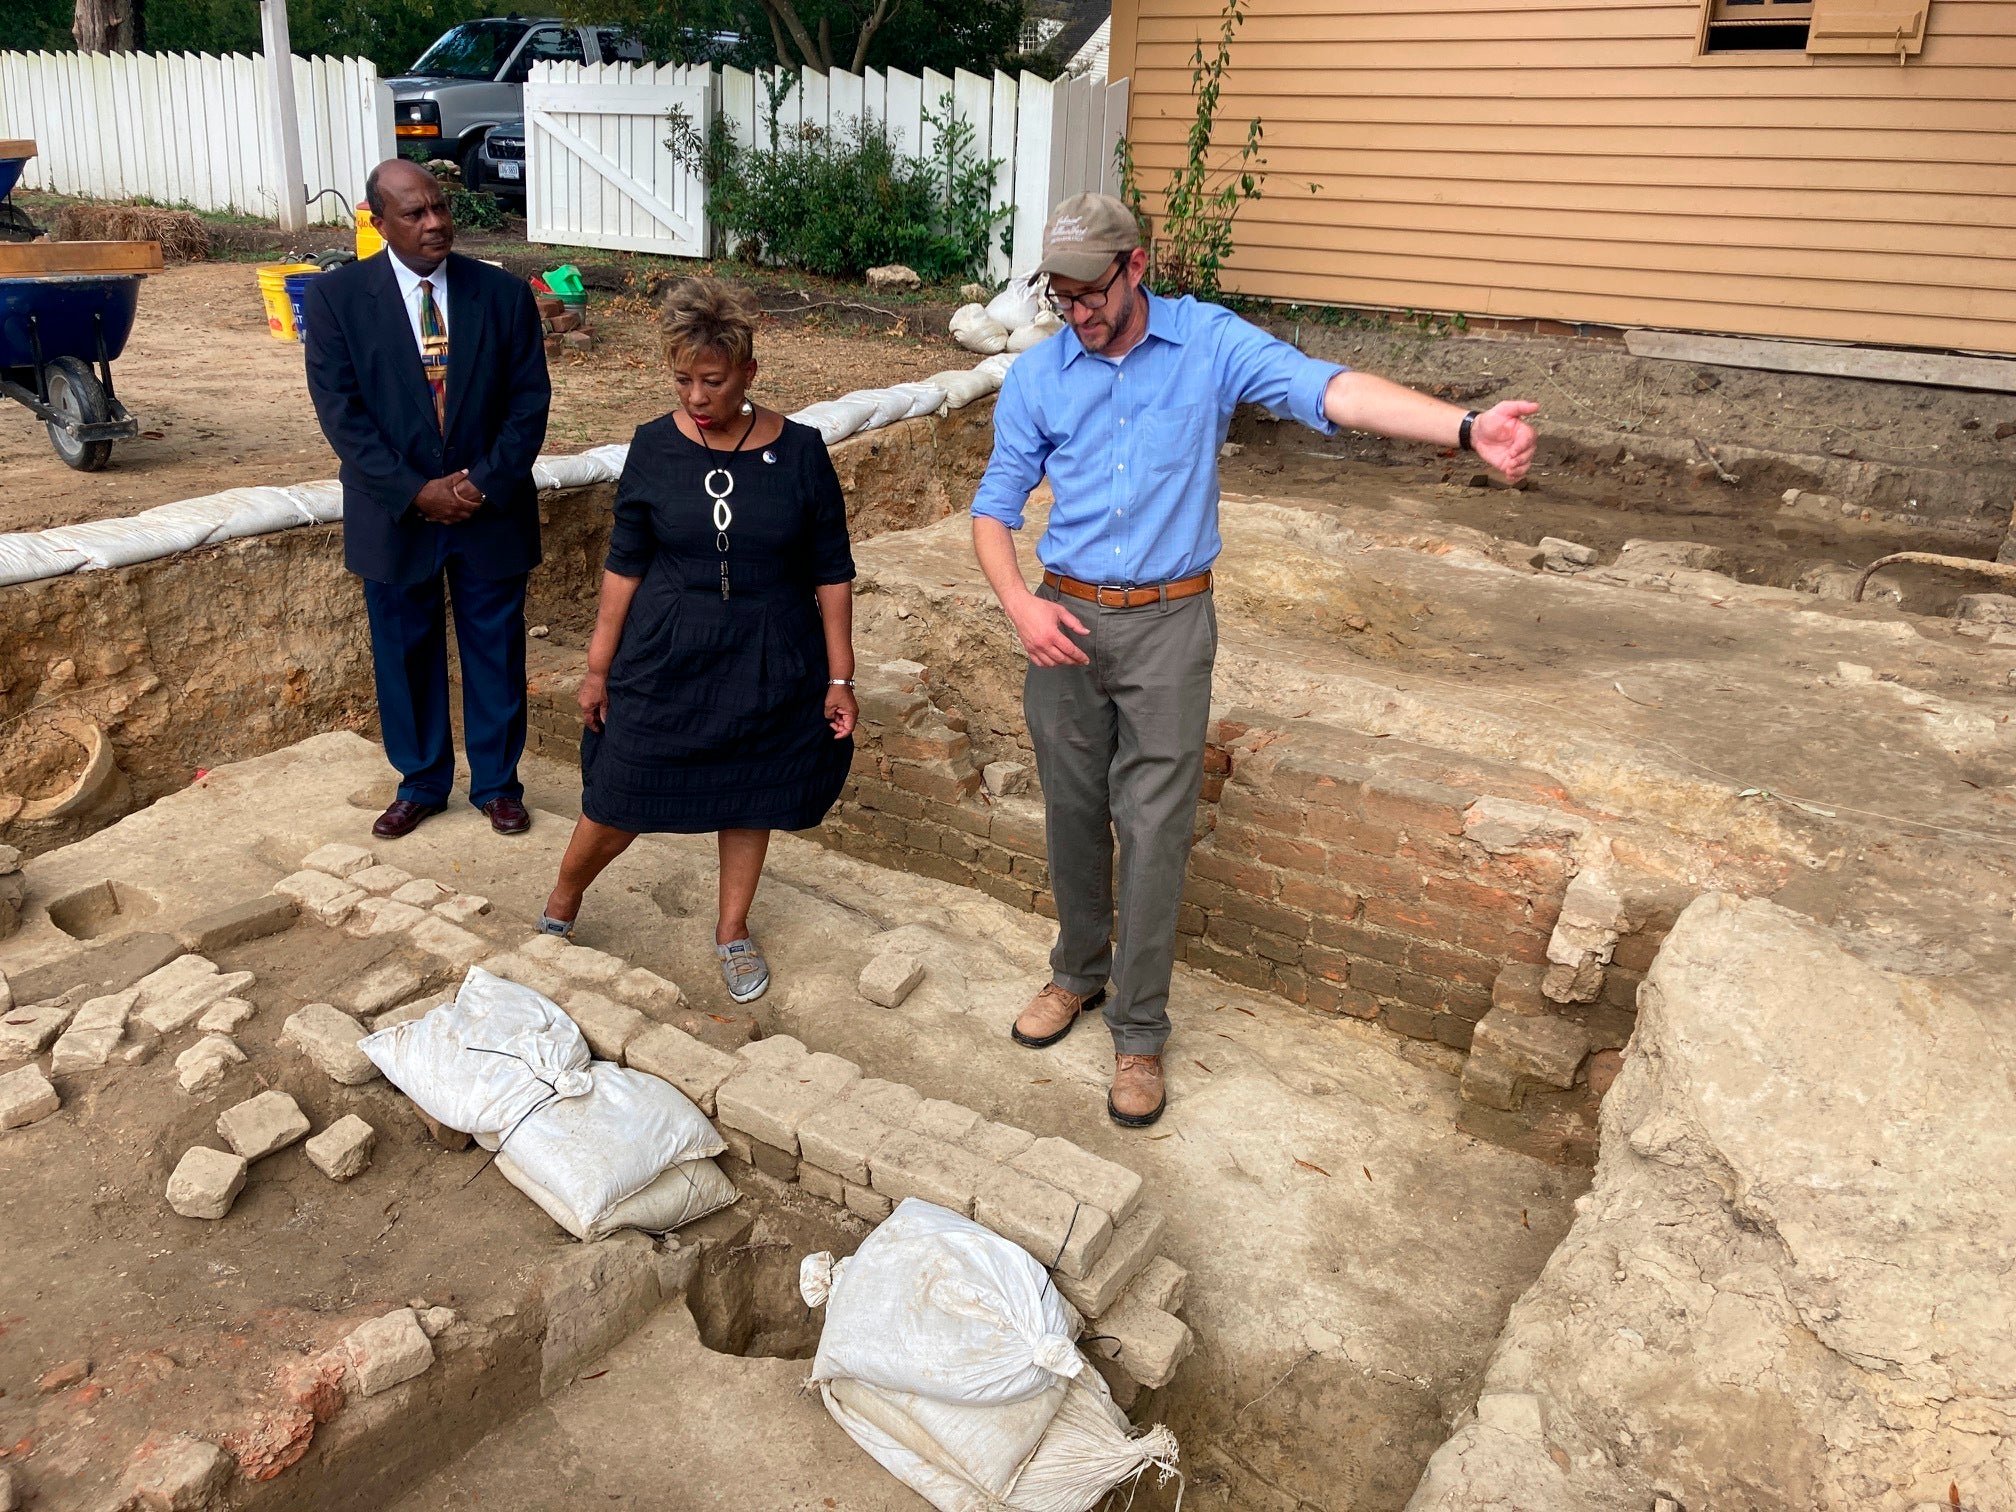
(409, 291)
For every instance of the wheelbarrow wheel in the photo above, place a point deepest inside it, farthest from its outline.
(76, 393)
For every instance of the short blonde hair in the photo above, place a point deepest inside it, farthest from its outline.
(708, 315)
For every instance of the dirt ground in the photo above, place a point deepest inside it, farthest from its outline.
(221, 403)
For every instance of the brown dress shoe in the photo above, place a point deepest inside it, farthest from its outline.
(508, 816)
(1137, 1098)
(403, 817)
(1050, 1015)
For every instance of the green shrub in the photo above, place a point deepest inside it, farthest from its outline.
(836, 203)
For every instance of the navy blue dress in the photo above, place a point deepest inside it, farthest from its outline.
(717, 706)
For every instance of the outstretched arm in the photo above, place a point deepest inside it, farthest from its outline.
(1500, 435)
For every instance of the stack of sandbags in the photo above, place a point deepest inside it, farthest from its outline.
(948, 1356)
(597, 1146)
(1012, 321)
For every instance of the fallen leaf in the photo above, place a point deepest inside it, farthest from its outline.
(1310, 1166)
(1368, 1172)
(719, 1019)
(1522, 1219)
(1247, 1011)
(1200, 1065)
(595, 1377)
(1041, 1081)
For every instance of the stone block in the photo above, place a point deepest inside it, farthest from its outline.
(890, 1102)
(435, 1321)
(821, 1184)
(997, 1141)
(206, 1182)
(388, 1351)
(833, 1072)
(390, 981)
(609, 1027)
(136, 1052)
(908, 1164)
(695, 1068)
(262, 1125)
(440, 1133)
(866, 1202)
(406, 1013)
(1004, 779)
(583, 965)
(648, 991)
(780, 1165)
(1055, 1227)
(343, 1149)
(339, 860)
(1516, 989)
(775, 1052)
(1082, 1174)
(1161, 1285)
(380, 879)
(768, 1106)
(93, 1034)
(328, 1037)
(27, 1031)
(738, 1146)
(459, 947)
(1144, 1341)
(373, 918)
(948, 1121)
(461, 908)
(1133, 1245)
(205, 1064)
(165, 981)
(890, 978)
(181, 1474)
(526, 972)
(422, 892)
(251, 920)
(842, 1138)
(25, 1096)
(1543, 1047)
(1558, 555)
(326, 899)
(183, 1007)
(225, 1016)
(1123, 1388)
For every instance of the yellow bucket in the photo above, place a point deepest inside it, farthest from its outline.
(368, 239)
(273, 291)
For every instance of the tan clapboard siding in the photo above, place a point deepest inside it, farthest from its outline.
(1577, 160)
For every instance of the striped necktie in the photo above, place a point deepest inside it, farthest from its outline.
(434, 351)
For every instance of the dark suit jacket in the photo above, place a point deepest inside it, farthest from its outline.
(372, 398)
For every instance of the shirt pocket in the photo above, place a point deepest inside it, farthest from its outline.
(1170, 438)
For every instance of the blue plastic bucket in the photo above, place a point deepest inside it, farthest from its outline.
(297, 289)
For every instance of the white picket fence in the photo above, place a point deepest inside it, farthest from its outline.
(1055, 139)
(189, 129)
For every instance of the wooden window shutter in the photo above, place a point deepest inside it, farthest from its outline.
(1885, 28)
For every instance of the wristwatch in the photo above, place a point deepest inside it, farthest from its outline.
(1463, 432)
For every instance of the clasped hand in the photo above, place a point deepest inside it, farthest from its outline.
(449, 500)
(1503, 440)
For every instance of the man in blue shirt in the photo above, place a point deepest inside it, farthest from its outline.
(1125, 412)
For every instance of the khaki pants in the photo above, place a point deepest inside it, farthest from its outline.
(1120, 753)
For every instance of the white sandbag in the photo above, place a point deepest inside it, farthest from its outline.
(977, 331)
(903, 1457)
(1020, 302)
(933, 1303)
(257, 511)
(1042, 328)
(592, 1151)
(484, 1061)
(1088, 1449)
(681, 1195)
(320, 502)
(27, 557)
(996, 367)
(982, 1449)
(926, 398)
(963, 386)
(890, 406)
(157, 532)
(836, 419)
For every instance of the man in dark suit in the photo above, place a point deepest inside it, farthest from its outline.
(428, 372)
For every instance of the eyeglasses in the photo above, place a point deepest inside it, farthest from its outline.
(1091, 299)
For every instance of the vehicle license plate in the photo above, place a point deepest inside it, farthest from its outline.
(510, 170)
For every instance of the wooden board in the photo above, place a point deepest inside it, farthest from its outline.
(16, 149)
(1884, 365)
(30, 259)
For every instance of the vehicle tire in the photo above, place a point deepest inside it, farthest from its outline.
(472, 172)
(74, 390)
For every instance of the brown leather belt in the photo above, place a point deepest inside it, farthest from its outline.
(1113, 596)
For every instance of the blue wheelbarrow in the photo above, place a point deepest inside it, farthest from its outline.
(66, 309)
(14, 222)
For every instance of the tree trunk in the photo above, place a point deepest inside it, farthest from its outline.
(106, 25)
(868, 29)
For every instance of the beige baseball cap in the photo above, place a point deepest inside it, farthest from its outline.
(1085, 234)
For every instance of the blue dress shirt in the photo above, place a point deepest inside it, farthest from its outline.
(1131, 446)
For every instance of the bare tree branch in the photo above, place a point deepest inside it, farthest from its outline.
(883, 10)
(783, 10)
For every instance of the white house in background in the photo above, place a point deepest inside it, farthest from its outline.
(1073, 32)
(1090, 60)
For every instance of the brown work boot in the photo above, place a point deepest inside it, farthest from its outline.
(1137, 1098)
(1050, 1015)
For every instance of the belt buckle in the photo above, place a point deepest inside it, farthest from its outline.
(1100, 590)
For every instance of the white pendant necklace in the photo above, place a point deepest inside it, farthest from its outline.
(719, 485)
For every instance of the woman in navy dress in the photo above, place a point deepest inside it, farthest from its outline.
(719, 696)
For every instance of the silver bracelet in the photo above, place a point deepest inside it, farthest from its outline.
(839, 682)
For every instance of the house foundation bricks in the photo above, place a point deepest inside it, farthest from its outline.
(253, 920)
(329, 1039)
(609, 1027)
(324, 898)
(339, 860)
(1084, 1175)
(388, 1351)
(693, 1066)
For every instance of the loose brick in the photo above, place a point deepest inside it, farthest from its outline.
(339, 860)
(342, 1150)
(423, 892)
(914, 1165)
(842, 1138)
(251, 920)
(261, 1125)
(94, 1033)
(390, 981)
(380, 880)
(448, 942)
(608, 1027)
(181, 1474)
(1145, 1342)
(461, 908)
(205, 1064)
(328, 1037)
(205, 1183)
(769, 1106)
(388, 1351)
(182, 1007)
(1053, 1226)
(1134, 1243)
(890, 978)
(1084, 1175)
(997, 1141)
(1542, 1047)
(693, 1066)
(374, 917)
(406, 1013)
(948, 1121)
(323, 897)
(866, 1202)
(25, 1096)
(822, 1184)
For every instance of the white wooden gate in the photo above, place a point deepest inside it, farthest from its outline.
(598, 172)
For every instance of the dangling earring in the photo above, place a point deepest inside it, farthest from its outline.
(748, 408)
